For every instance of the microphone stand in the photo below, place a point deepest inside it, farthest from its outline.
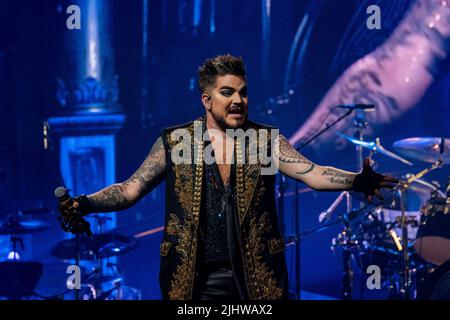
(327, 127)
(298, 235)
(48, 146)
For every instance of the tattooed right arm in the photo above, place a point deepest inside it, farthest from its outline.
(123, 195)
(296, 166)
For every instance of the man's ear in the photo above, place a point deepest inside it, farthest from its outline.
(206, 100)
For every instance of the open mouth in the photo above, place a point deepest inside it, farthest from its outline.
(236, 111)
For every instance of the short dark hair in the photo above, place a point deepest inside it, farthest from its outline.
(219, 66)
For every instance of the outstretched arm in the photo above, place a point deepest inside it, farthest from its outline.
(123, 195)
(325, 178)
(296, 166)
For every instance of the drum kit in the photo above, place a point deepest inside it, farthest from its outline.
(19, 279)
(407, 233)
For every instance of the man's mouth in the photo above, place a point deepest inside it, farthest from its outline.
(236, 111)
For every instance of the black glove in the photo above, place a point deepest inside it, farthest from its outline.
(370, 182)
(71, 218)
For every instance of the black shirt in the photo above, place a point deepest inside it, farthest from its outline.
(216, 202)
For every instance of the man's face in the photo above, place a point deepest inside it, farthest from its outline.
(227, 102)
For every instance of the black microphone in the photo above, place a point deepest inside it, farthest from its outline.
(70, 221)
(357, 106)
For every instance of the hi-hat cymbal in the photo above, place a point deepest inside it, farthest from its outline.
(374, 146)
(98, 246)
(13, 226)
(427, 149)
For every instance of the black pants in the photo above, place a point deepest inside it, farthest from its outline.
(216, 282)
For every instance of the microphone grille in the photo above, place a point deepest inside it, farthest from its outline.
(60, 192)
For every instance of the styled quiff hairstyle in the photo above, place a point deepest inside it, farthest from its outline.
(219, 66)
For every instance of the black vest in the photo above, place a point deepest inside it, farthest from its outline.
(257, 238)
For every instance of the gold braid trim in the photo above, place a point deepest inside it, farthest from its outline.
(261, 282)
(188, 191)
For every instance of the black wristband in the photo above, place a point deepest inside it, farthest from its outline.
(84, 204)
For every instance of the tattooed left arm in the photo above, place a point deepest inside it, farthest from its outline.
(324, 178)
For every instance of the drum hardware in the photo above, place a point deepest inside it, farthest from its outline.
(360, 124)
(365, 239)
(365, 232)
(403, 222)
(433, 239)
(13, 226)
(19, 278)
(433, 150)
(375, 147)
(96, 248)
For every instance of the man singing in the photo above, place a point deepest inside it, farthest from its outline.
(221, 237)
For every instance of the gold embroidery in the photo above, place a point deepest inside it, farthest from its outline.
(263, 283)
(276, 245)
(266, 226)
(164, 248)
(260, 280)
(173, 225)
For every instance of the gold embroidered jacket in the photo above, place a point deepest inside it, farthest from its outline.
(261, 246)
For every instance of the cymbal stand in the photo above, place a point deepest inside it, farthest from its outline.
(360, 123)
(297, 254)
(405, 289)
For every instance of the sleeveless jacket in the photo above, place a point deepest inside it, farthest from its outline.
(260, 246)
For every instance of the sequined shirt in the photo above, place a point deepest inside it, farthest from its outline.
(215, 199)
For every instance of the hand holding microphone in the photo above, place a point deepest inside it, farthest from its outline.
(72, 211)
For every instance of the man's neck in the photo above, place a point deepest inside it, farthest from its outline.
(212, 124)
(214, 129)
(222, 144)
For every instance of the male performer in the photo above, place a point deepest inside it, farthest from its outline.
(221, 238)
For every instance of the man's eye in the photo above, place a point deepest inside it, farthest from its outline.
(226, 93)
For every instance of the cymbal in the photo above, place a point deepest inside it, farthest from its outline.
(427, 149)
(97, 246)
(36, 211)
(13, 226)
(374, 146)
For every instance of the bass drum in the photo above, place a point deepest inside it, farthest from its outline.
(435, 284)
(433, 237)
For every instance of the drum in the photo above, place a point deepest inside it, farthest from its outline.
(377, 238)
(433, 237)
(109, 288)
(391, 219)
(435, 283)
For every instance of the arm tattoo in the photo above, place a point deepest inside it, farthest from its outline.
(147, 177)
(366, 87)
(417, 23)
(287, 153)
(152, 169)
(338, 177)
(424, 31)
(109, 199)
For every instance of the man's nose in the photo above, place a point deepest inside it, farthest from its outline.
(238, 99)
